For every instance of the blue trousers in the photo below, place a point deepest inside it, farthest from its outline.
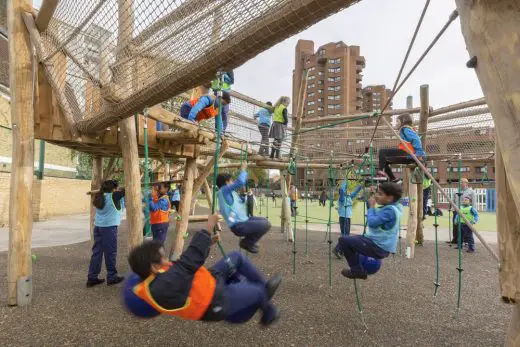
(105, 243)
(252, 230)
(467, 236)
(354, 245)
(344, 227)
(426, 197)
(246, 290)
(160, 231)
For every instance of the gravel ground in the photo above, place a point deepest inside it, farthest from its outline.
(398, 304)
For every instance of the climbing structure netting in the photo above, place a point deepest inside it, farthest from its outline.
(115, 57)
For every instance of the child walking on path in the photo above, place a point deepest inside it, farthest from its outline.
(233, 209)
(188, 290)
(401, 155)
(471, 215)
(383, 231)
(345, 212)
(160, 213)
(108, 217)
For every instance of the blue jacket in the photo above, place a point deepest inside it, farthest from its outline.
(160, 204)
(384, 225)
(176, 195)
(345, 200)
(204, 101)
(411, 136)
(237, 184)
(264, 117)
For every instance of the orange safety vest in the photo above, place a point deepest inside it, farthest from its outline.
(408, 148)
(206, 113)
(199, 297)
(160, 216)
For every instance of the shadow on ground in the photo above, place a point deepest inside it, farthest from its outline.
(398, 305)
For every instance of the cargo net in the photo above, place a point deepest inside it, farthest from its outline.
(113, 58)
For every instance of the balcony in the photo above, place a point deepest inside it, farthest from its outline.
(360, 61)
(359, 77)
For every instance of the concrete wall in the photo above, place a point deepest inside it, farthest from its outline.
(51, 197)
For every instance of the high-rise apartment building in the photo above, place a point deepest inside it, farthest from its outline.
(375, 98)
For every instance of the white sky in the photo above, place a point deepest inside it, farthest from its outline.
(383, 30)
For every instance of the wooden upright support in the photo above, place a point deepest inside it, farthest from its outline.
(423, 127)
(95, 184)
(21, 77)
(286, 226)
(412, 215)
(45, 14)
(184, 207)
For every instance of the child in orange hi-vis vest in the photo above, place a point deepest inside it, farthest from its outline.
(206, 107)
(185, 288)
(160, 212)
(401, 155)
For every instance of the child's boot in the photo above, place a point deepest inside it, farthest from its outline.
(272, 285)
(348, 273)
(271, 315)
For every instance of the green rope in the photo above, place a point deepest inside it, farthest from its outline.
(306, 209)
(329, 228)
(331, 125)
(294, 218)
(459, 235)
(450, 168)
(436, 225)
(147, 226)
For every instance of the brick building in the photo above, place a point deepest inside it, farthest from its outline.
(375, 98)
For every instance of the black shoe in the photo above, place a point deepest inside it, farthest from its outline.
(116, 280)
(92, 283)
(452, 242)
(268, 320)
(337, 253)
(273, 284)
(353, 275)
(250, 248)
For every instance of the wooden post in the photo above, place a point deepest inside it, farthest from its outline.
(95, 184)
(286, 226)
(184, 207)
(45, 14)
(508, 228)
(423, 127)
(412, 216)
(19, 271)
(128, 138)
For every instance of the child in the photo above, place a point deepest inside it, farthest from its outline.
(206, 107)
(233, 209)
(293, 194)
(401, 155)
(383, 231)
(250, 201)
(264, 124)
(160, 213)
(471, 215)
(280, 120)
(187, 289)
(345, 212)
(108, 217)
(176, 197)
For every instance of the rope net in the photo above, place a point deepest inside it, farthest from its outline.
(115, 57)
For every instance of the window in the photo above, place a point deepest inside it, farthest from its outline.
(311, 77)
(482, 169)
(334, 89)
(320, 99)
(310, 103)
(456, 169)
(322, 52)
(311, 69)
(320, 73)
(310, 112)
(334, 107)
(330, 106)
(334, 79)
(320, 108)
(433, 169)
(334, 97)
(335, 61)
(334, 70)
(310, 95)
(320, 91)
(311, 86)
(320, 82)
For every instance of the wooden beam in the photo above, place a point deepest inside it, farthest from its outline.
(182, 224)
(423, 127)
(95, 185)
(357, 115)
(459, 106)
(21, 78)
(45, 14)
(203, 174)
(302, 97)
(286, 225)
(459, 114)
(497, 50)
(412, 216)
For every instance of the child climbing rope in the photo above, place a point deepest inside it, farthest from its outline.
(383, 231)
(264, 124)
(345, 211)
(206, 107)
(471, 215)
(280, 120)
(188, 290)
(233, 209)
(160, 213)
(108, 217)
(176, 197)
(401, 155)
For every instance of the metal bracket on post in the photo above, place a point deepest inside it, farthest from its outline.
(24, 291)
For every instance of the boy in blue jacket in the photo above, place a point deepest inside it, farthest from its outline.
(234, 211)
(160, 212)
(265, 118)
(383, 231)
(345, 212)
(471, 215)
(401, 155)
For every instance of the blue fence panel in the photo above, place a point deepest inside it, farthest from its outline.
(491, 200)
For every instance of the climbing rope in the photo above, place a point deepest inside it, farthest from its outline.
(146, 193)
(459, 236)
(329, 227)
(306, 208)
(450, 169)
(294, 211)
(436, 283)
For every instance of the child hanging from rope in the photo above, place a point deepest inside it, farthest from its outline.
(383, 231)
(401, 155)
(471, 215)
(206, 107)
(345, 212)
(233, 209)
(188, 290)
(160, 213)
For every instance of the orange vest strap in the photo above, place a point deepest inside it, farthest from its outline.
(161, 216)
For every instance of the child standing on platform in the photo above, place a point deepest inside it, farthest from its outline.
(108, 217)
(383, 231)
(176, 197)
(471, 215)
(345, 212)
(160, 213)
(233, 209)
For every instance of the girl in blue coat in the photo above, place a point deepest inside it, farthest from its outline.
(345, 211)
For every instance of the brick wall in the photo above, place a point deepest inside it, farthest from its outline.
(51, 197)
